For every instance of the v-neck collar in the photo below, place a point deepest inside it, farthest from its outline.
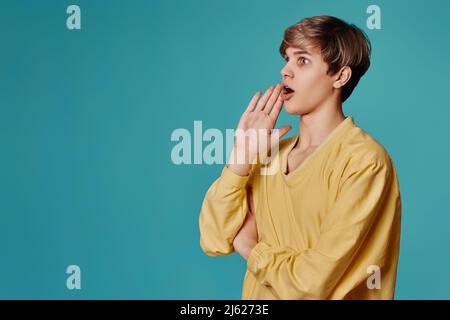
(291, 177)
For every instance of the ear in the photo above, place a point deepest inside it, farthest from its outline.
(342, 77)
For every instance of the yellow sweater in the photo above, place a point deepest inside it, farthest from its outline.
(330, 229)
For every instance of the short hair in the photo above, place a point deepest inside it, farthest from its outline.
(340, 43)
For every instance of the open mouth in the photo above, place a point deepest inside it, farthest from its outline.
(287, 92)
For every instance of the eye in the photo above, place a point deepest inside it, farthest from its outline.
(303, 60)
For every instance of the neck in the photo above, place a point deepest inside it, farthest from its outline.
(317, 125)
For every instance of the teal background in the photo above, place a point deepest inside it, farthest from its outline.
(86, 119)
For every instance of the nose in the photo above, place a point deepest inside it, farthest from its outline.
(285, 72)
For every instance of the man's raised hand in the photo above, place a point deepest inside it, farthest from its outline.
(254, 133)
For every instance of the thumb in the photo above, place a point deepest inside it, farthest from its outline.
(284, 129)
(280, 132)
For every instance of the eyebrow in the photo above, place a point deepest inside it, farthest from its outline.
(302, 52)
(297, 53)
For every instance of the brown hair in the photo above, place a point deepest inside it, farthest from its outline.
(341, 44)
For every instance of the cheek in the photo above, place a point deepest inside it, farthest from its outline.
(313, 83)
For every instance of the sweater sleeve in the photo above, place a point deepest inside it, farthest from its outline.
(313, 273)
(223, 212)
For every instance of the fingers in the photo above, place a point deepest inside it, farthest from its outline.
(275, 112)
(252, 103)
(262, 102)
(273, 98)
(269, 101)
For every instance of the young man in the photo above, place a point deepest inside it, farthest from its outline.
(326, 225)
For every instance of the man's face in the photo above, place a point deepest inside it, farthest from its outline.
(305, 73)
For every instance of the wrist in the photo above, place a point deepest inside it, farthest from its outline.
(240, 170)
(244, 248)
(239, 162)
(248, 249)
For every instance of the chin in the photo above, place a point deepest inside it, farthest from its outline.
(287, 109)
(292, 107)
